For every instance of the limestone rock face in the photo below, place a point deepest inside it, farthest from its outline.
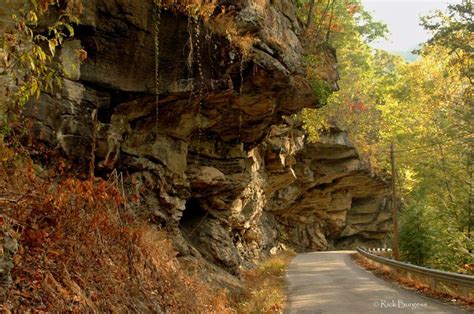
(211, 160)
(335, 197)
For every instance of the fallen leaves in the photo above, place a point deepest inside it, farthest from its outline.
(81, 251)
(412, 283)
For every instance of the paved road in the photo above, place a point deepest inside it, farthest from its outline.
(330, 282)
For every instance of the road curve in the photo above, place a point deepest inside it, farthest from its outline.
(330, 282)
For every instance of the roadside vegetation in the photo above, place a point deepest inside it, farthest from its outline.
(443, 293)
(266, 285)
(70, 241)
(424, 108)
(74, 246)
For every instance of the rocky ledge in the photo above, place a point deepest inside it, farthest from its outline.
(211, 159)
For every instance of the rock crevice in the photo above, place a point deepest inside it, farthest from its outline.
(214, 161)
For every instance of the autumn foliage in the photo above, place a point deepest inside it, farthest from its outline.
(414, 283)
(80, 250)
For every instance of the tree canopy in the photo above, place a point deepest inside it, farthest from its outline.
(425, 108)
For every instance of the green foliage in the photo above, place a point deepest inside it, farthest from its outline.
(28, 53)
(339, 20)
(454, 30)
(368, 28)
(347, 27)
(321, 90)
(426, 109)
(315, 123)
(450, 249)
(415, 238)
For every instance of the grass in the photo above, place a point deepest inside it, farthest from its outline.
(266, 286)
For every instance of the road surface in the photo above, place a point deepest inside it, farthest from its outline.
(330, 282)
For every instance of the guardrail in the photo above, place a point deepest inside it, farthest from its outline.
(384, 249)
(385, 252)
(466, 282)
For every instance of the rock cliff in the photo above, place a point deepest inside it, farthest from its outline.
(201, 139)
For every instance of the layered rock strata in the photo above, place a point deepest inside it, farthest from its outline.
(211, 158)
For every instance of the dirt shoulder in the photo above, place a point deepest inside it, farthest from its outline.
(413, 285)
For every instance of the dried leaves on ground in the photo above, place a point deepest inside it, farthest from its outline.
(80, 250)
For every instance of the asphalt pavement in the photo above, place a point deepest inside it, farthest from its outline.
(330, 282)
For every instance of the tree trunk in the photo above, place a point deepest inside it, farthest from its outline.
(310, 13)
